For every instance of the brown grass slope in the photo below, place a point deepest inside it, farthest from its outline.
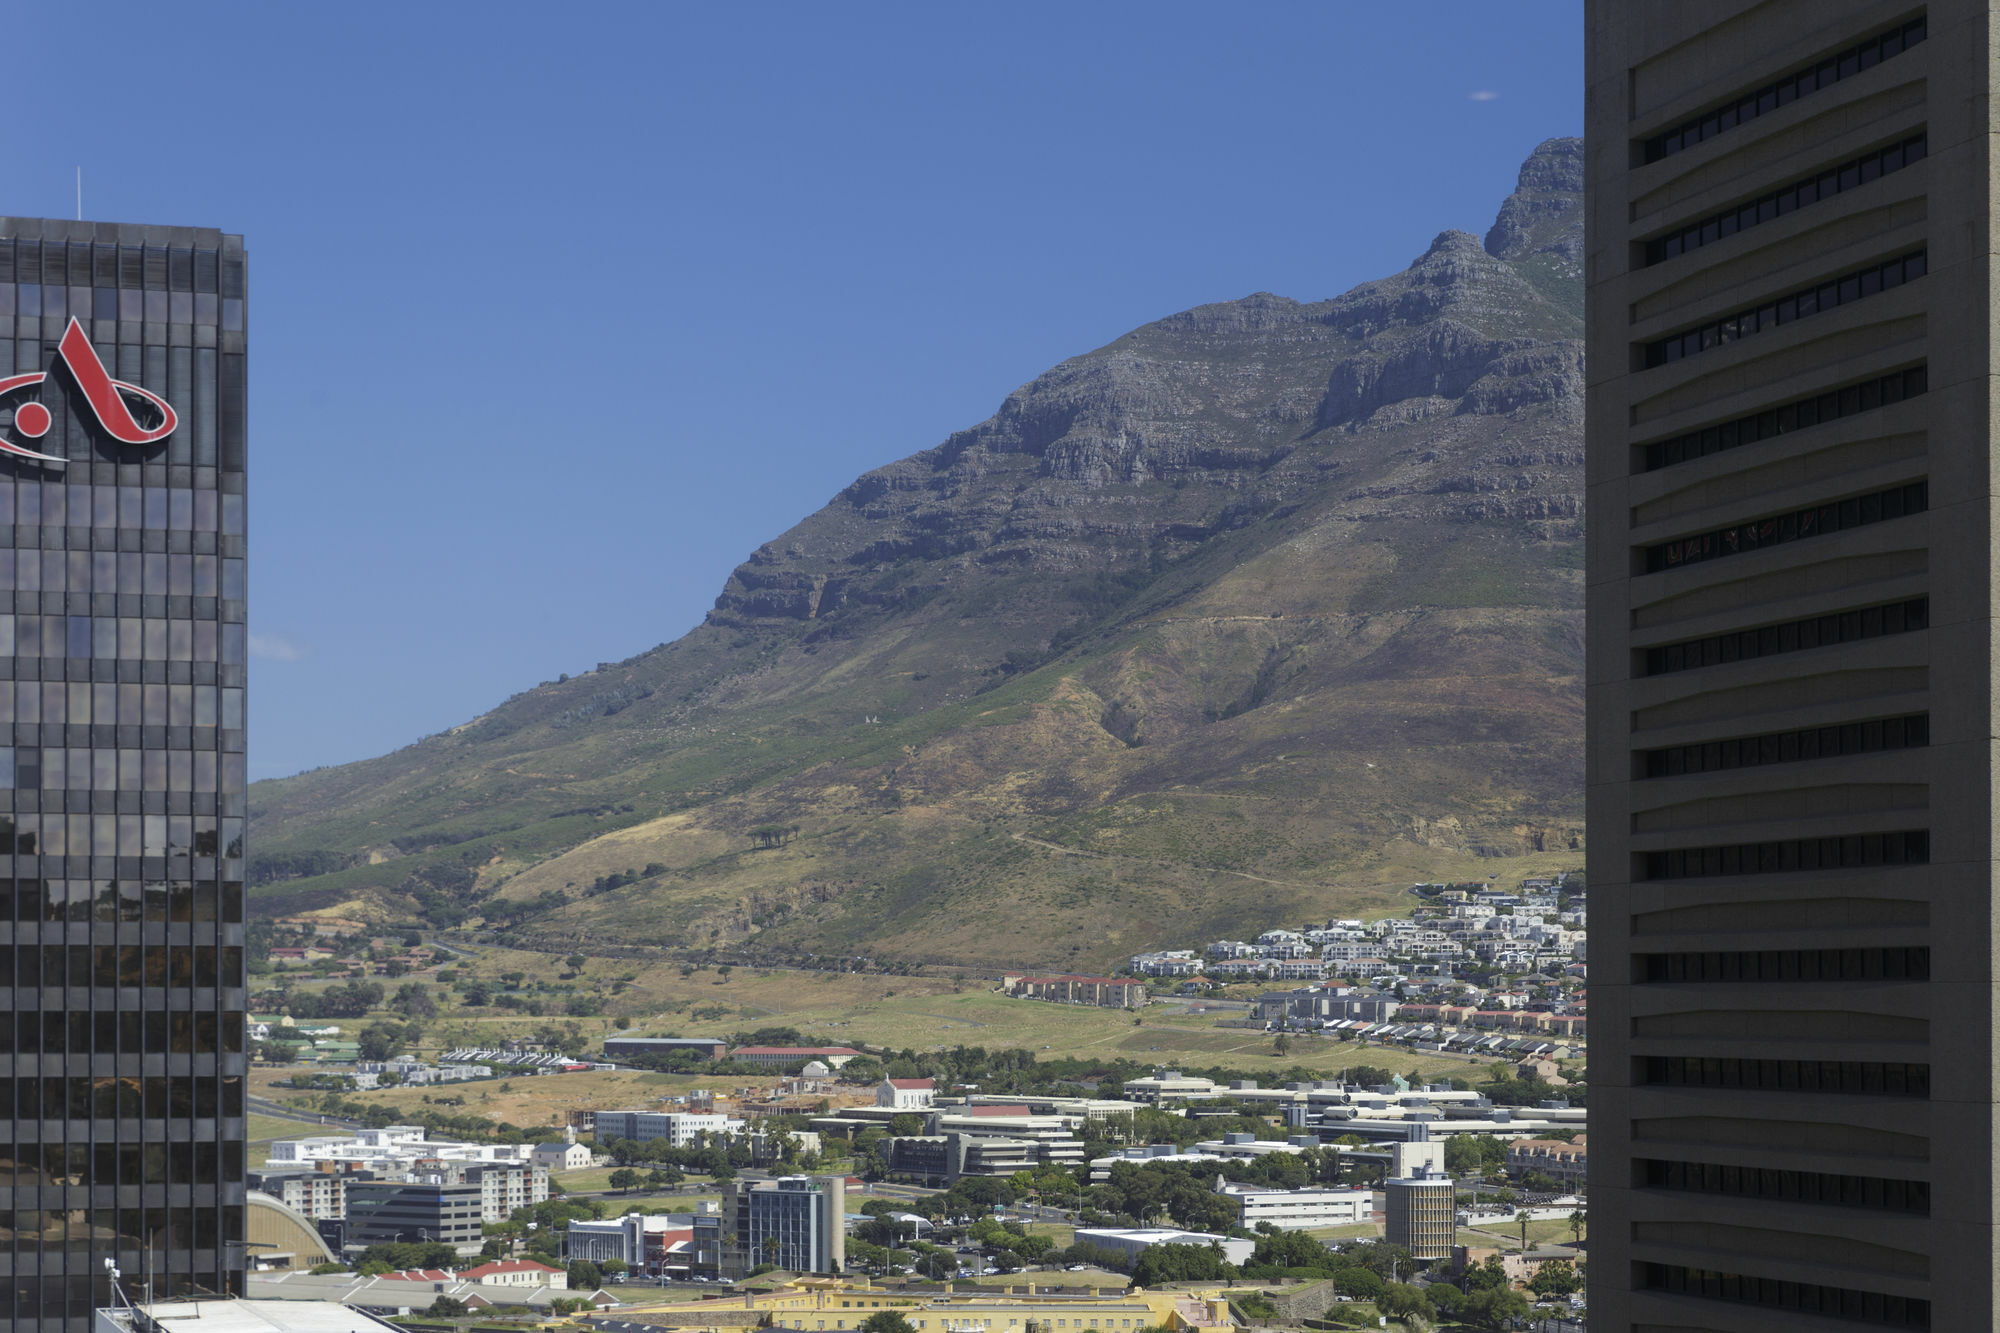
(1257, 612)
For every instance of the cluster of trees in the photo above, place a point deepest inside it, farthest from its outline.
(1178, 1192)
(413, 1000)
(625, 1179)
(442, 1124)
(541, 1241)
(1474, 1155)
(351, 999)
(1504, 1088)
(588, 1276)
(1483, 1298)
(390, 1258)
(502, 913)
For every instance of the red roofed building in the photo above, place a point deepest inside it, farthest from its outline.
(794, 1057)
(1108, 992)
(517, 1273)
(906, 1094)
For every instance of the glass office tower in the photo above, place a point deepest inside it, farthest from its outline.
(122, 433)
(1792, 683)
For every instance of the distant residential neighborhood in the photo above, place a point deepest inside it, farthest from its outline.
(1472, 968)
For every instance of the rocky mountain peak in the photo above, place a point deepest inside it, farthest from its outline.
(1545, 212)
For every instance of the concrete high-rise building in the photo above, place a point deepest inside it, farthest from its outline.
(122, 443)
(1420, 1213)
(798, 1223)
(1791, 664)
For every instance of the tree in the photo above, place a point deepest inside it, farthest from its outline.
(379, 1041)
(1473, 1154)
(886, 1321)
(1445, 1298)
(624, 1179)
(1400, 1300)
(410, 1254)
(1160, 1264)
(413, 1000)
(1495, 1307)
(444, 1307)
(1359, 1283)
(613, 1268)
(1281, 1044)
(575, 962)
(584, 1275)
(1291, 1249)
(1489, 1276)
(1558, 1277)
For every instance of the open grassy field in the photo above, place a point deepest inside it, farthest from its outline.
(917, 1013)
(522, 1099)
(658, 997)
(1353, 1231)
(1552, 1232)
(261, 1129)
(619, 1204)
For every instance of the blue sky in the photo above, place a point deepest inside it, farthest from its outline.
(558, 311)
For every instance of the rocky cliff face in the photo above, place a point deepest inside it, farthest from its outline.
(1260, 606)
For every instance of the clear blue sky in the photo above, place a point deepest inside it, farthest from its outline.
(557, 311)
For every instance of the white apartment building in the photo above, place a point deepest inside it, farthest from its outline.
(679, 1128)
(1300, 1210)
(393, 1148)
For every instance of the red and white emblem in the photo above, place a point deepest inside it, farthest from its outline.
(108, 399)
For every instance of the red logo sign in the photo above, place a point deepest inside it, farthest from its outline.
(111, 401)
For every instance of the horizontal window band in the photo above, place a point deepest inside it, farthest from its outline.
(1825, 631)
(1846, 1078)
(1847, 851)
(1804, 303)
(1783, 965)
(1856, 59)
(1802, 414)
(1834, 1189)
(1757, 534)
(1735, 966)
(1868, 1307)
(75, 1031)
(133, 267)
(1836, 740)
(1783, 202)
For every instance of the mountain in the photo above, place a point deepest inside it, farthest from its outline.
(1258, 612)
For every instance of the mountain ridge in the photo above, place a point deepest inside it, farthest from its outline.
(1176, 605)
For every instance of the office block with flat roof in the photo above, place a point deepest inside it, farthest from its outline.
(122, 646)
(1791, 677)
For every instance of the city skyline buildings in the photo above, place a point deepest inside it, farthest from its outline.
(1790, 670)
(123, 439)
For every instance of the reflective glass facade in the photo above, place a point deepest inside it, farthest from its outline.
(122, 649)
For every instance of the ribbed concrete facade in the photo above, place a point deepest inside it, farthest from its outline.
(1791, 675)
